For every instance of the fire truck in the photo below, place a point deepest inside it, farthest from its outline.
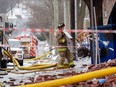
(29, 45)
(16, 50)
(4, 35)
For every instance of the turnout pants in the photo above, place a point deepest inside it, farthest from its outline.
(65, 55)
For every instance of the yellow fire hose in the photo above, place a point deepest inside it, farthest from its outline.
(42, 70)
(40, 56)
(7, 69)
(74, 79)
(33, 67)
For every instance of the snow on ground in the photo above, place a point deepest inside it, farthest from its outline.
(25, 77)
(79, 64)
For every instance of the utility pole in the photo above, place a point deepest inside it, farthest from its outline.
(92, 42)
(65, 14)
(76, 18)
(76, 27)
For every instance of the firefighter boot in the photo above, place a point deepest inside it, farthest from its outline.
(71, 64)
(59, 66)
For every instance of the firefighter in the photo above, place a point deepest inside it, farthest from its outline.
(63, 50)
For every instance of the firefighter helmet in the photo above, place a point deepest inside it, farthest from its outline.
(61, 25)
